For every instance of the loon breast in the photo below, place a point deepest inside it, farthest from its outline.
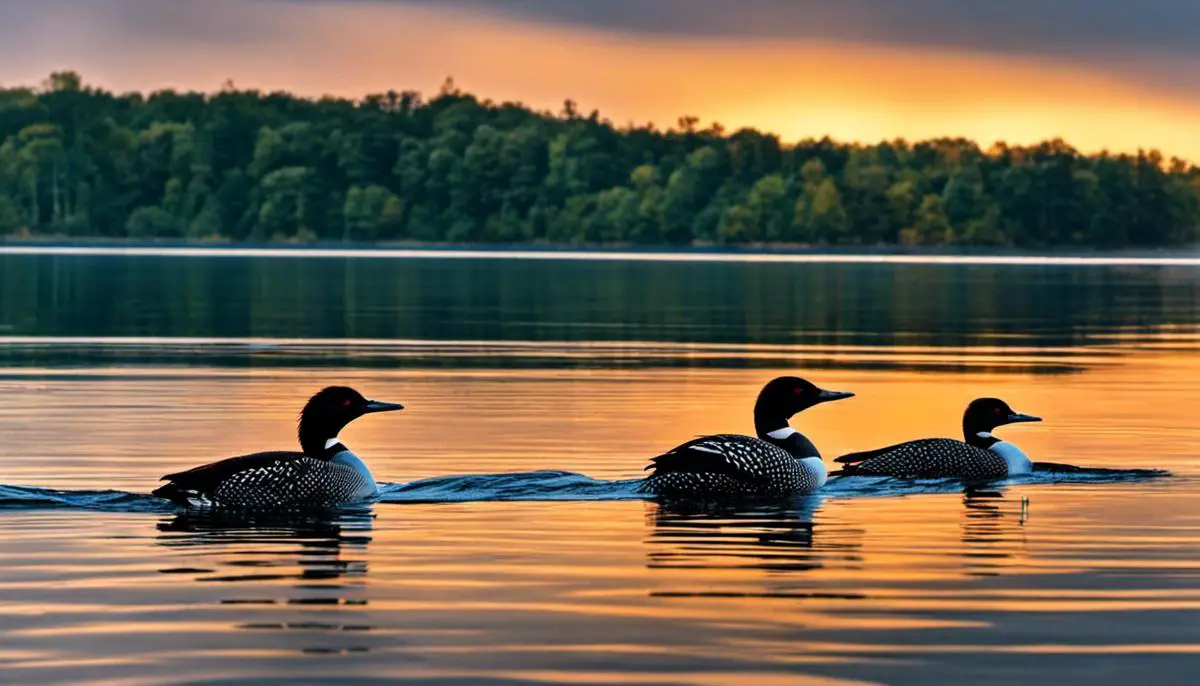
(1017, 461)
(367, 488)
(816, 466)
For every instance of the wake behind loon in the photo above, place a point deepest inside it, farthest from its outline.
(981, 457)
(325, 473)
(780, 461)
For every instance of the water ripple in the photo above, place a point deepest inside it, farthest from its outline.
(539, 485)
(32, 498)
(548, 485)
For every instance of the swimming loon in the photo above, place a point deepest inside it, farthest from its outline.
(780, 461)
(325, 473)
(981, 457)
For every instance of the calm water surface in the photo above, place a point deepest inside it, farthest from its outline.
(564, 377)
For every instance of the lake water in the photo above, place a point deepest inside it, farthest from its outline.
(511, 546)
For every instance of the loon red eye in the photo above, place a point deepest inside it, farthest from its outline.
(346, 402)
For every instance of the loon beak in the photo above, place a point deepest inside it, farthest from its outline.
(830, 396)
(380, 406)
(1017, 418)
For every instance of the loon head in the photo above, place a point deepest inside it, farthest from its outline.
(984, 415)
(782, 398)
(329, 411)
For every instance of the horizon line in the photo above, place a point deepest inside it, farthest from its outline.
(593, 255)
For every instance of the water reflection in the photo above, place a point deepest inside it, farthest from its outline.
(993, 532)
(779, 537)
(505, 300)
(231, 353)
(799, 537)
(288, 572)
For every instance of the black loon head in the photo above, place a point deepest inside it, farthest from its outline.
(329, 411)
(782, 398)
(985, 414)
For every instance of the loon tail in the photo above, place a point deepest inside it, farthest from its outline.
(846, 470)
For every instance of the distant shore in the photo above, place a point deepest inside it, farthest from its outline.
(456, 170)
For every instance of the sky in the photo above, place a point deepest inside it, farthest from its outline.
(1102, 74)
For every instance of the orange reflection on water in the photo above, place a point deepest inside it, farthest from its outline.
(1104, 406)
(827, 587)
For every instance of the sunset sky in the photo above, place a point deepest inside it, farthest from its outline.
(1114, 74)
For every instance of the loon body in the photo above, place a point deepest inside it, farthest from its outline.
(981, 457)
(779, 461)
(323, 473)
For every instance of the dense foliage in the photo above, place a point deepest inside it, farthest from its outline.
(244, 165)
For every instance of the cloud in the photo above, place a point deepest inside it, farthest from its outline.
(1010, 26)
(1096, 28)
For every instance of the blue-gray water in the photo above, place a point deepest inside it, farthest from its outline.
(511, 544)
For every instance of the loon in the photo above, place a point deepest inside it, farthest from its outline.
(982, 457)
(780, 461)
(325, 473)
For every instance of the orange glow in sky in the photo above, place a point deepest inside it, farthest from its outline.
(795, 88)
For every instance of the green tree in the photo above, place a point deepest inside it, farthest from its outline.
(962, 199)
(283, 212)
(932, 226)
(371, 213)
(153, 222)
(771, 208)
(739, 224)
(247, 165)
(208, 223)
(42, 160)
(902, 205)
(688, 190)
(10, 216)
(820, 215)
(865, 184)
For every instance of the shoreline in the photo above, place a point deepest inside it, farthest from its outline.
(1189, 257)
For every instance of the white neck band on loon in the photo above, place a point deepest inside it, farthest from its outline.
(332, 442)
(1016, 460)
(780, 434)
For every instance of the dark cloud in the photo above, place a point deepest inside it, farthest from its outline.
(1109, 29)
(217, 22)
(1020, 26)
(1155, 43)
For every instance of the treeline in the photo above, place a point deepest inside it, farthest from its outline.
(249, 166)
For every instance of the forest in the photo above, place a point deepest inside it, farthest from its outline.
(79, 162)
